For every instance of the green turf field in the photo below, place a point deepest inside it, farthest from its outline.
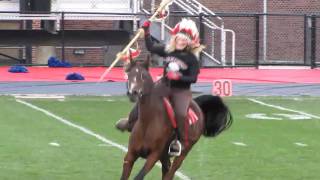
(271, 138)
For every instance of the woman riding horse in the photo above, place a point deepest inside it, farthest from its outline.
(181, 69)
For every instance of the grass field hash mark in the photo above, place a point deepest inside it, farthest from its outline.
(283, 108)
(239, 144)
(89, 132)
(54, 144)
(301, 144)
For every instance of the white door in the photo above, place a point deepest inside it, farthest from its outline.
(120, 6)
(9, 5)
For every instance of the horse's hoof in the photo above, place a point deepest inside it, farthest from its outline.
(122, 124)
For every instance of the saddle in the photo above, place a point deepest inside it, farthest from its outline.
(191, 116)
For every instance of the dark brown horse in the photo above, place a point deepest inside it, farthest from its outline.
(152, 133)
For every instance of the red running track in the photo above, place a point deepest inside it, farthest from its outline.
(239, 75)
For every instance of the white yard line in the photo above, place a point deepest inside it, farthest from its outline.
(89, 132)
(39, 96)
(283, 108)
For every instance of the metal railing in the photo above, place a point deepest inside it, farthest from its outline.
(194, 8)
(293, 39)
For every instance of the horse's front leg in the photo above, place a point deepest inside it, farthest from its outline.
(150, 162)
(166, 163)
(177, 162)
(128, 162)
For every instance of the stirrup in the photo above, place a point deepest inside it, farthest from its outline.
(175, 153)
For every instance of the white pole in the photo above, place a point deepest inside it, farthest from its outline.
(163, 30)
(135, 10)
(153, 6)
(265, 24)
(223, 46)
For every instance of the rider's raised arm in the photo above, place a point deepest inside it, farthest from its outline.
(152, 46)
(155, 47)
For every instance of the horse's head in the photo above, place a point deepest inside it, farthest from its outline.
(139, 81)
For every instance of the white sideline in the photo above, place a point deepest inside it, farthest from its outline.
(38, 96)
(283, 108)
(89, 132)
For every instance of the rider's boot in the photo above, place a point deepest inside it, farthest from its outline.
(175, 146)
(123, 124)
(126, 124)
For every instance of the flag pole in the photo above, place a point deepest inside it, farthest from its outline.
(139, 33)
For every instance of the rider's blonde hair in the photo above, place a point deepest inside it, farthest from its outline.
(187, 29)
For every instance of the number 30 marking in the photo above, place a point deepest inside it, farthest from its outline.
(222, 88)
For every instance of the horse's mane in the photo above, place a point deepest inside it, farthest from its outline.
(129, 64)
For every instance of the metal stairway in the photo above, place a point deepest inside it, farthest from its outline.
(210, 20)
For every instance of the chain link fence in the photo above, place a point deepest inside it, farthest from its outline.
(245, 35)
(273, 39)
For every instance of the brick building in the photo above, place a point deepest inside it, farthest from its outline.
(285, 34)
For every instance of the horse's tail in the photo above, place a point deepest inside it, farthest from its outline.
(217, 116)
